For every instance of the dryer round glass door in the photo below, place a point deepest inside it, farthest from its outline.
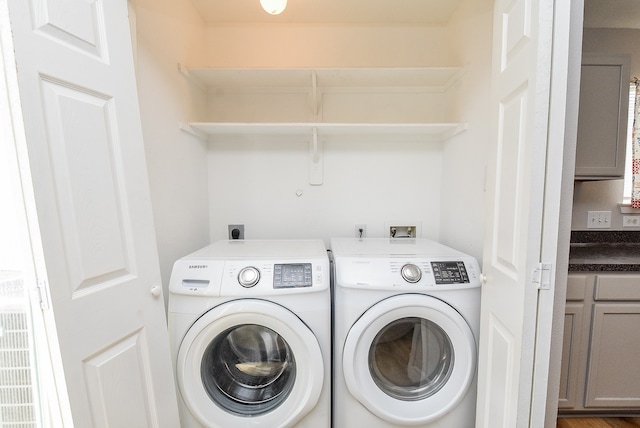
(249, 359)
(409, 359)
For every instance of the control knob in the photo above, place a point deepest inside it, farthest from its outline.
(411, 273)
(249, 276)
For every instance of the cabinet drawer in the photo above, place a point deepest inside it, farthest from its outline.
(617, 287)
(577, 286)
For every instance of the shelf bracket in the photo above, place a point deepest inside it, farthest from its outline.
(315, 159)
(182, 69)
(458, 129)
(185, 127)
(314, 95)
(314, 147)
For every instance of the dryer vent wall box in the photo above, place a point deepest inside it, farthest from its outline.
(403, 231)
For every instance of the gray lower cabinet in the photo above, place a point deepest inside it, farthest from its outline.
(601, 352)
(576, 339)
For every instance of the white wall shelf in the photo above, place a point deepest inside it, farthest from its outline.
(315, 83)
(435, 78)
(364, 104)
(231, 132)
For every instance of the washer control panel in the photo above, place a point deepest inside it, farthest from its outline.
(292, 275)
(289, 275)
(253, 268)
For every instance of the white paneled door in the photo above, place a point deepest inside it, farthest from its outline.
(83, 136)
(518, 201)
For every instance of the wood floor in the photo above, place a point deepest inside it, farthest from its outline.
(569, 422)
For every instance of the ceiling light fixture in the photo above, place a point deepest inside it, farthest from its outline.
(274, 7)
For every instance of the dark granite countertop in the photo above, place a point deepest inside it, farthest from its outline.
(604, 251)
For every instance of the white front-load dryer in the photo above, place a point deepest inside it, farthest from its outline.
(250, 329)
(406, 315)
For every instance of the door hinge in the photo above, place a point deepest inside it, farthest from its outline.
(43, 296)
(542, 276)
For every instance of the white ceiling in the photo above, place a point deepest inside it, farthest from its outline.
(612, 14)
(598, 13)
(352, 12)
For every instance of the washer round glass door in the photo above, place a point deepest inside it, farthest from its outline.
(409, 359)
(249, 358)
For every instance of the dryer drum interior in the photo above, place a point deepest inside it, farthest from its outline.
(248, 369)
(411, 358)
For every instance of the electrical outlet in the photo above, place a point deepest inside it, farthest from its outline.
(631, 221)
(236, 231)
(598, 219)
(361, 230)
(403, 231)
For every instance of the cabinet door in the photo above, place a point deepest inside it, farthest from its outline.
(602, 117)
(613, 378)
(571, 353)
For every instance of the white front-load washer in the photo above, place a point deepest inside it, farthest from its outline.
(406, 323)
(250, 330)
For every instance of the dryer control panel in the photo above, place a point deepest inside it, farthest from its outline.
(410, 273)
(450, 272)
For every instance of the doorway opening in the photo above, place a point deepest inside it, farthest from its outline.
(19, 393)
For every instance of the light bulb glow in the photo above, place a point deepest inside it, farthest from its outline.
(274, 7)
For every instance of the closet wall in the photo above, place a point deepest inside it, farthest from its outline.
(198, 188)
(170, 32)
(462, 205)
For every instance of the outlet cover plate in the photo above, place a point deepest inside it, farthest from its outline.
(598, 219)
(631, 221)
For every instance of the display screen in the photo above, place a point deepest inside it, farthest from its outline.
(292, 275)
(449, 272)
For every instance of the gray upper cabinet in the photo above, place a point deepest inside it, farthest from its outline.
(602, 118)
